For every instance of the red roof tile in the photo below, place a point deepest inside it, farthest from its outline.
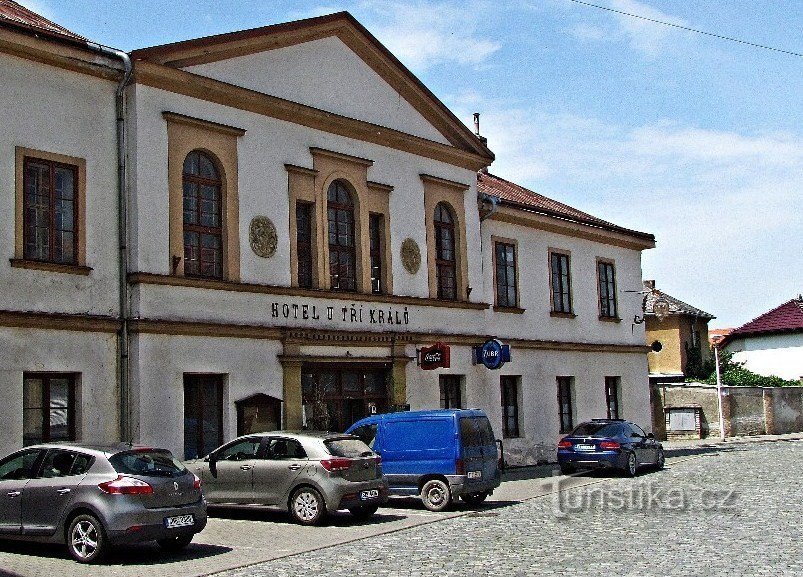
(783, 319)
(519, 197)
(13, 13)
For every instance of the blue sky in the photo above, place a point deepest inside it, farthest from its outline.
(692, 138)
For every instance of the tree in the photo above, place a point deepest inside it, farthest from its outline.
(734, 374)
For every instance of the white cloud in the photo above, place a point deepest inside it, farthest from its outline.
(648, 38)
(425, 34)
(723, 205)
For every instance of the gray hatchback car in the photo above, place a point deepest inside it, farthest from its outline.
(306, 473)
(92, 497)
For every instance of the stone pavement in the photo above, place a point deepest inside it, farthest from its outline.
(732, 511)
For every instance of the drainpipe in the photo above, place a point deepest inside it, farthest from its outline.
(122, 232)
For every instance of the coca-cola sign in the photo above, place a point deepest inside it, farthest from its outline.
(434, 357)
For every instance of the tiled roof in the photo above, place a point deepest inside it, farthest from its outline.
(787, 318)
(15, 14)
(676, 306)
(517, 196)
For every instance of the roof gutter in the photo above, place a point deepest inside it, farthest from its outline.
(124, 381)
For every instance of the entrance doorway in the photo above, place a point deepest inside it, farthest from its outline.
(334, 397)
(203, 414)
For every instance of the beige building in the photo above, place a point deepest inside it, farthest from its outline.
(677, 336)
(300, 216)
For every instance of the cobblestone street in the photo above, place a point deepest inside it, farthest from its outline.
(733, 511)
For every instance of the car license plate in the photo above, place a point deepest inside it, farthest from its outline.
(179, 521)
(370, 494)
(474, 474)
(585, 448)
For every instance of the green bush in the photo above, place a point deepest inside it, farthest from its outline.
(734, 374)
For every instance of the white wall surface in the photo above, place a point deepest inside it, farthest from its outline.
(57, 111)
(325, 74)
(534, 287)
(778, 355)
(263, 151)
(91, 355)
(158, 364)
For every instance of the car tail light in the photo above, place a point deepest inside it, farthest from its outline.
(610, 445)
(197, 483)
(459, 467)
(378, 459)
(564, 444)
(334, 465)
(123, 485)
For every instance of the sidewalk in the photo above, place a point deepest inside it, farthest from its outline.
(715, 441)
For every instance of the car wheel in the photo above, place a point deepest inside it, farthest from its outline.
(632, 465)
(173, 544)
(661, 460)
(363, 511)
(307, 506)
(567, 469)
(474, 498)
(86, 539)
(436, 495)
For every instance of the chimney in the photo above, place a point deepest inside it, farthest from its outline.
(649, 284)
(477, 128)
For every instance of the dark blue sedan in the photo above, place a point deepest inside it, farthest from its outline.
(609, 443)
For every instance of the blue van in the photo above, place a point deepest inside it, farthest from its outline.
(440, 455)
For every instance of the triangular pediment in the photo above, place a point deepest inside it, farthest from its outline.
(330, 63)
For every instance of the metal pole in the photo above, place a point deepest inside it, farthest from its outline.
(719, 394)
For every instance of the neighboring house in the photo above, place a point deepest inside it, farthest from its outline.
(772, 343)
(677, 339)
(302, 216)
(716, 335)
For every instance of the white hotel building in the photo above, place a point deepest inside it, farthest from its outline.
(280, 219)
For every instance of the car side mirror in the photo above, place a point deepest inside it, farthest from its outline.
(650, 436)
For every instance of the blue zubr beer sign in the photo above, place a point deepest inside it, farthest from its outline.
(493, 354)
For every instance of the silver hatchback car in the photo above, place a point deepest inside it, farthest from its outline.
(306, 473)
(92, 497)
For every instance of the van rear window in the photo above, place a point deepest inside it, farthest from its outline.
(476, 432)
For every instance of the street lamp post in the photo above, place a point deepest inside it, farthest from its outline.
(719, 392)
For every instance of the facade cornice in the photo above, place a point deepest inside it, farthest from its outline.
(565, 226)
(62, 53)
(59, 321)
(182, 281)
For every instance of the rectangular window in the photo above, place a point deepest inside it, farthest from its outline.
(375, 230)
(560, 277)
(304, 243)
(606, 277)
(565, 404)
(612, 389)
(450, 392)
(505, 254)
(48, 412)
(203, 414)
(510, 406)
(50, 211)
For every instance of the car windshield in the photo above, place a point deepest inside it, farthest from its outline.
(348, 447)
(148, 463)
(597, 430)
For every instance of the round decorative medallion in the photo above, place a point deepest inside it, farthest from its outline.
(263, 236)
(410, 255)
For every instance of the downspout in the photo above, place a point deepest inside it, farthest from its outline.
(122, 233)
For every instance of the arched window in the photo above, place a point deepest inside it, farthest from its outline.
(445, 257)
(342, 252)
(203, 229)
